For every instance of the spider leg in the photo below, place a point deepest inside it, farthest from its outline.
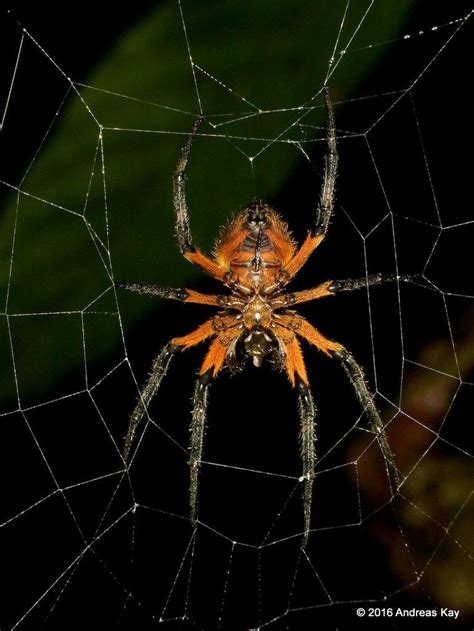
(203, 331)
(183, 228)
(158, 371)
(356, 376)
(296, 370)
(307, 413)
(297, 324)
(331, 287)
(183, 295)
(212, 364)
(198, 423)
(326, 200)
(349, 284)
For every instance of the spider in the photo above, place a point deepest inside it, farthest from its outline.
(255, 257)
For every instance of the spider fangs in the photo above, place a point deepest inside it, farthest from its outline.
(255, 258)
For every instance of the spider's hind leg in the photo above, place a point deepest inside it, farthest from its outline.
(325, 206)
(198, 426)
(183, 228)
(213, 362)
(307, 413)
(158, 371)
(357, 379)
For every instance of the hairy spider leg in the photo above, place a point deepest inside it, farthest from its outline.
(308, 332)
(296, 371)
(357, 379)
(287, 329)
(291, 351)
(326, 200)
(356, 376)
(203, 331)
(158, 371)
(328, 288)
(307, 414)
(332, 287)
(212, 364)
(183, 295)
(183, 228)
(198, 424)
(226, 332)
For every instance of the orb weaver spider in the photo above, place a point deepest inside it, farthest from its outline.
(255, 257)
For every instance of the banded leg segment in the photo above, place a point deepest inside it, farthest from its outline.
(158, 371)
(198, 425)
(356, 376)
(307, 414)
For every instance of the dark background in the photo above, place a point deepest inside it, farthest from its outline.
(125, 577)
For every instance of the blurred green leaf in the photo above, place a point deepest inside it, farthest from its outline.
(75, 228)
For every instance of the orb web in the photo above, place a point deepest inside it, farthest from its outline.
(82, 528)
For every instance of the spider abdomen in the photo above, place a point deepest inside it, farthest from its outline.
(255, 246)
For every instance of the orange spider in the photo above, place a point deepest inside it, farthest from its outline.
(255, 257)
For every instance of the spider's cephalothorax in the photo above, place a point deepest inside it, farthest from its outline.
(255, 258)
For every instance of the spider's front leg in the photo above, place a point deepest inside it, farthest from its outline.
(326, 200)
(183, 228)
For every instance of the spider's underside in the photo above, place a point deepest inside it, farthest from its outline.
(255, 258)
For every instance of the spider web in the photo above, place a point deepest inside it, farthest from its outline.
(87, 536)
